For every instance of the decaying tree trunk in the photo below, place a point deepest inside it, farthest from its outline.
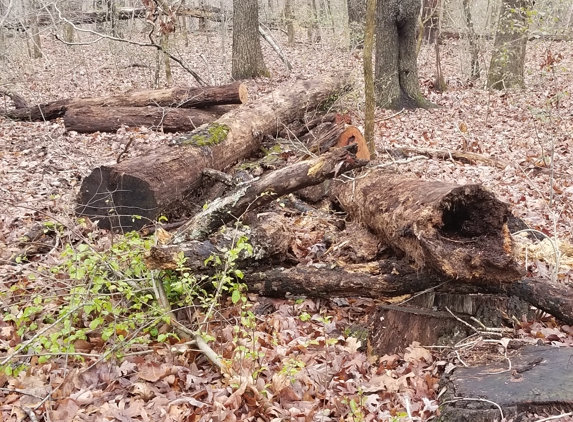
(186, 97)
(459, 231)
(163, 182)
(109, 119)
(266, 189)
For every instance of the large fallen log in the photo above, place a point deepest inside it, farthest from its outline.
(162, 182)
(458, 231)
(110, 119)
(397, 278)
(186, 97)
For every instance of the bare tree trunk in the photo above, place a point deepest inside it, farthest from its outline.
(370, 100)
(397, 84)
(289, 18)
(439, 83)
(508, 59)
(356, 20)
(472, 39)
(248, 59)
(35, 31)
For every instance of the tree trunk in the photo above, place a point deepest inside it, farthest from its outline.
(247, 59)
(458, 231)
(472, 39)
(186, 97)
(508, 58)
(397, 84)
(162, 182)
(35, 30)
(369, 100)
(289, 18)
(109, 119)
(356, 21)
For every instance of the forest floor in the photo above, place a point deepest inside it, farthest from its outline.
(301, 354)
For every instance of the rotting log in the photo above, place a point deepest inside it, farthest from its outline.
(396, 278)
(268, 236)
(163, 182)
(458, 231)
(109, 119)
(186, 97)
(268, 188)
(383, 279)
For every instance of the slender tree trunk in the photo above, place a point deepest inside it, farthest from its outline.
(35, 31)
(248, 59)
(370, 100)
(472, 39)
(289, 18)
(397, 84)
(508, 59)
(356, 20)
(439, 83)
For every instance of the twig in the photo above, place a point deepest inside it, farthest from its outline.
(551, 418)
(462, 321)
(390, 117)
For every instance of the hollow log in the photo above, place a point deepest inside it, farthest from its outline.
(163, 182)
(186, 97)
(110, 119)
(458, 231)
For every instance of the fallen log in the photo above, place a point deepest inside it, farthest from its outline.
(271, 186)
(163, 182)
(186, 97)
(393, 278)
(458, 231)
(109, 119)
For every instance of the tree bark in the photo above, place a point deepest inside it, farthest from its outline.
(187, 97)
(162, 182)
(508, 58)
(369, 99)
(472, 39)
(458, 231)
(110, 119)
(265, 190)
(397, 84)
(247, 58)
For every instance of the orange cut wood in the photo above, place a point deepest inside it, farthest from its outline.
(352, 135)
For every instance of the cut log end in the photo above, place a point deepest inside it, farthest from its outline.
(243, 93)
(352, 135)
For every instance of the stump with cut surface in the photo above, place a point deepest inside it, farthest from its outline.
(163, 182)
(458, 231)
(540, 380)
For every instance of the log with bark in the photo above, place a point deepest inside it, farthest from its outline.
(260, 192)
(186, 97)
(109, 119)
(398, 278)
(163, 182)
(458, 231)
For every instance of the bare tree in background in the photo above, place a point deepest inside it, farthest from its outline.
(508, 58)
(36, 51)
(397, 84)
(247, 59)
(356, 19)
(289, 19)
(472, 39)
(370, 100)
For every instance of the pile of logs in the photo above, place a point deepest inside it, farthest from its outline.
(178, 109)
(404, 235)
